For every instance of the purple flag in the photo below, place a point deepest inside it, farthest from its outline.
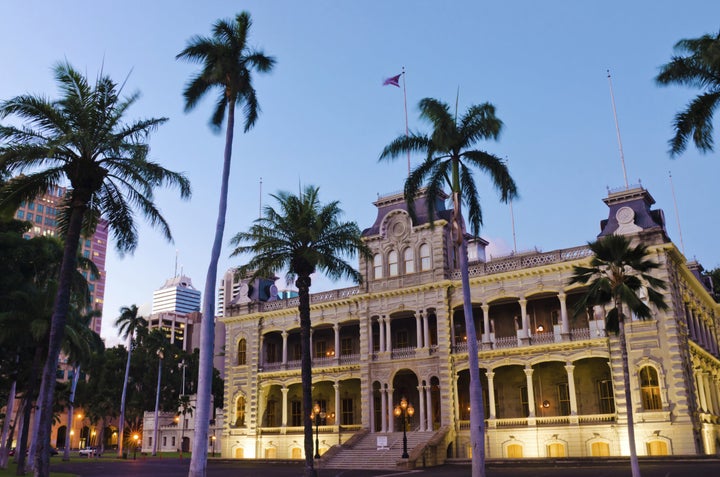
(393, 80)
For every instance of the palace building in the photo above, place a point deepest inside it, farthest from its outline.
(551, 377)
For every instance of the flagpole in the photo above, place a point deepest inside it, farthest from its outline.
(512, 218)
(677, 214)
(617, 129)
(407, 129)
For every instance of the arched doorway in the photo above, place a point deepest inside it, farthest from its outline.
(405, 385)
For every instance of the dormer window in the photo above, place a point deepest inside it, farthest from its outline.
(409, 260)
(393, 263)
(377, 266)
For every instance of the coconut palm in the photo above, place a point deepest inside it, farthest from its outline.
(449, 159)
(697, 64)
(227, 65)
(81, 139)
(617, 274)
(301, 236)
(129, 325)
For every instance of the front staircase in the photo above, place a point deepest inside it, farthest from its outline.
(365, 454)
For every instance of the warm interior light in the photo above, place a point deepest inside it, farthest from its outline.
(540, 328)
(546, 403)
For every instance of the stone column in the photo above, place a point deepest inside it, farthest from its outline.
(383, 409)
(426, 329)
(381, 327)
(428, 404)
(285, 347)
(700, 379)
(388, 334)
(261, 358)
(391, 407)
(418, 331)
(564, 321)
(524, 316)
(284, 405)
(570, 368)
(336, 328)
(491, 394)
(372, 410)
(421, 405)
(486, 323)
(530, 390)
(337, 403)
(370, 339)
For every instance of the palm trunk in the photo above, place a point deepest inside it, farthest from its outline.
(303, 285)
(57, 332)
(157, 408)
(71, 410)
(121, 419)
(30, 396)
(477, 411)
(198, 461)
(4, 444)
(634, 463)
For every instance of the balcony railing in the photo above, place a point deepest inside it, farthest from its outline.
(464, 425)
(406, 352)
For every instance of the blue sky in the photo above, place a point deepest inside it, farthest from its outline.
(325, 116)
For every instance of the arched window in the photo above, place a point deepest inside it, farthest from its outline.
(409, 260)
(650, 389)
(377, 266)
(425, 262)
(393, 263)
(242, 352)
(240, 412)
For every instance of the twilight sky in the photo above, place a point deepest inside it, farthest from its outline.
(325, 116)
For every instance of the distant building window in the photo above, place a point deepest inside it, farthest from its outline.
(29, 216)
(31, 206)
(242, 352)
(86, 253)
(38, 219)
(377, 266)
(20, 214)
(393, 263)
(164, 441)
(40, 208)
(173, 441)
(650, 389)
(87, 242)
(409, 259)
(425, 263)
(60, 374)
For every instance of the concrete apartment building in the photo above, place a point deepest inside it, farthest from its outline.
(552, 379)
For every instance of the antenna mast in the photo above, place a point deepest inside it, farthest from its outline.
(617, 129)
(677, 214)
(260, 201)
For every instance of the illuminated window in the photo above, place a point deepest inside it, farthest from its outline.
(425, 263)
(650, 389)
(239, 412)
(657, 448)
(600, 449)
(409, 260)
(514, 451)
(393, 263)
(556, 450)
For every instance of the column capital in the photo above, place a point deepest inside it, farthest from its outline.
(569, 368)
(490, 375)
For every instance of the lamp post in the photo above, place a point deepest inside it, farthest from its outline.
(404, 409)
(317, 414)
(135, 439)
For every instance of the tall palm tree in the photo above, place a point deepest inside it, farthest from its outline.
(617, 274)
(697, 64)
(81, 139)
(129, 325)
(303, 237)
(449, 159)
(227, 65)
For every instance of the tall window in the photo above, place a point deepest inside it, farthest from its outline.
(296, 413)
(346, 346)
(650, 389)
(524, 401)
(402, 339)
(271, 352)
(563, 399)
(393, 263)
(409, 260)
(377, 266)
(242, 352)
(270, 413)
(347, 417)
(425, 257)
(239, 412)
(320, 349)
(607, 401)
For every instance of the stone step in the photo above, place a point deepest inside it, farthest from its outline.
(366, 455)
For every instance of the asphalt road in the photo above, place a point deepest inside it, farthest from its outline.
(234, 468)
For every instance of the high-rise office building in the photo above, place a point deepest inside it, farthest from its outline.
(176, 310)
(42, 213)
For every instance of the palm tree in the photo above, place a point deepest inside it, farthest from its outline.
(227, 62)
(81, 139)
(697, 65)
(448, 161)
(129, 325)
(617, 274)
(303, 237)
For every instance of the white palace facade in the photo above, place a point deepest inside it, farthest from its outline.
(552, 378)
